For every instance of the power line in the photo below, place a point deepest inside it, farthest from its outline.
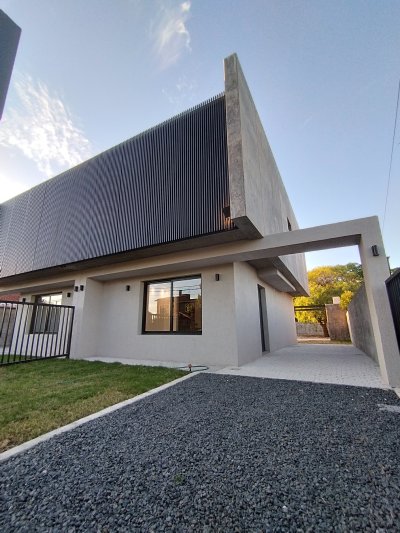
(391, 158)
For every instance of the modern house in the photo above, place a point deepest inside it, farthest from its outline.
(179, 244)
(9, 39)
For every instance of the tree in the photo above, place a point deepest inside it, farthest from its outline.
(326, 282)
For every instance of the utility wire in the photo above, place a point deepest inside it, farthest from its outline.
(391, 158)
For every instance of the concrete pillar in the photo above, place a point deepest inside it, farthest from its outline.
(376, 271)
(88, 305)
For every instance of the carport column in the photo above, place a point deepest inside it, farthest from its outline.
(88, 305)
(376, 271)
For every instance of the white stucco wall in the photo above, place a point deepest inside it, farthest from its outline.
(247, 328)
(112, 326)
(108, 318)
(281, 323)
(280, 315)
(87, 324)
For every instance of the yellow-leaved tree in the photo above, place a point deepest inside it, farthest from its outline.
(325, 282)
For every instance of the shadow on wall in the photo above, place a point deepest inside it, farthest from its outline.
(360, 324)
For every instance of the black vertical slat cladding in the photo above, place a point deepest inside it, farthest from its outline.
(15, 233)
(393, 290)
(166, 184)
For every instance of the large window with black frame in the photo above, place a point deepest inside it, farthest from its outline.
(46, 318)
(173, 306)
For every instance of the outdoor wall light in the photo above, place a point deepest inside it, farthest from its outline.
(216, 277)
(81, 287)
(24, 299)
(375, 251)
(68, 295)
(128, 288)
(76, 288)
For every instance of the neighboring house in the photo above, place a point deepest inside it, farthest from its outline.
(179, 244)
(9, 39)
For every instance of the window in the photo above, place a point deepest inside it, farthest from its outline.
(45, 319)
(173, 306)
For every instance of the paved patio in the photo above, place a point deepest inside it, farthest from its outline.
(340, 364)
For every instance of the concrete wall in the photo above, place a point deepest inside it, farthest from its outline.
(259, 203)
(360, 324)
(309, 330)
(108, 318)
(114, 322)
(281, 323)
(280, 316)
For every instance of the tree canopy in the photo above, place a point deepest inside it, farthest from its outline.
(325, 282)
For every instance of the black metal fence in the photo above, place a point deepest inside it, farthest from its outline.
(393, 289)
(32, 331)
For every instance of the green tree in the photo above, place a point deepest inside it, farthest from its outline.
(326, 282)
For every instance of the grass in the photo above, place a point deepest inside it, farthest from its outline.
(322, 340)
(40, 396)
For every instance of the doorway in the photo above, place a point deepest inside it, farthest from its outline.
(262, 304)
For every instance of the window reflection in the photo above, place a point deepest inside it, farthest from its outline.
(174, 306)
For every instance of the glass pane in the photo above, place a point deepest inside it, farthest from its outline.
(158, 306)
(55, 299)
(187, 305)
(46, 319)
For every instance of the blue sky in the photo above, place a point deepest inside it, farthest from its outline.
(324, 76)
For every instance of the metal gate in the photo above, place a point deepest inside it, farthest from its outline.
(33, 331)
(393, 289)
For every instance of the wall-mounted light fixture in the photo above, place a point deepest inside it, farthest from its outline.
(76, 288)
(24, 299)
(81, 287)
(216, 277)
(68, 295)
(128, 288)
(375, 251)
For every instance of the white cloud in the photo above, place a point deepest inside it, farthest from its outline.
(41, 127)
(182, 94)
(170, 33)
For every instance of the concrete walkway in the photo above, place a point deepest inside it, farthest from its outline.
(339, 364)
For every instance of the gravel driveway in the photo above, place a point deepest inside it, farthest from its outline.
(217, 453)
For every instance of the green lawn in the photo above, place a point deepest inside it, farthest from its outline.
(40, 396)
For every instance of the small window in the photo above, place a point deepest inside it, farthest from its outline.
(46, 318)
(173, 306)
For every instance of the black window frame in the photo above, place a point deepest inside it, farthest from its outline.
(144, 310)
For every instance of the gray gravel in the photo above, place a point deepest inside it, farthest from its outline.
(217, 453)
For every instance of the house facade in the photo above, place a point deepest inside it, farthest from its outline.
(138, 239)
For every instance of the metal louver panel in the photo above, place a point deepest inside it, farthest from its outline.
(166, 184)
